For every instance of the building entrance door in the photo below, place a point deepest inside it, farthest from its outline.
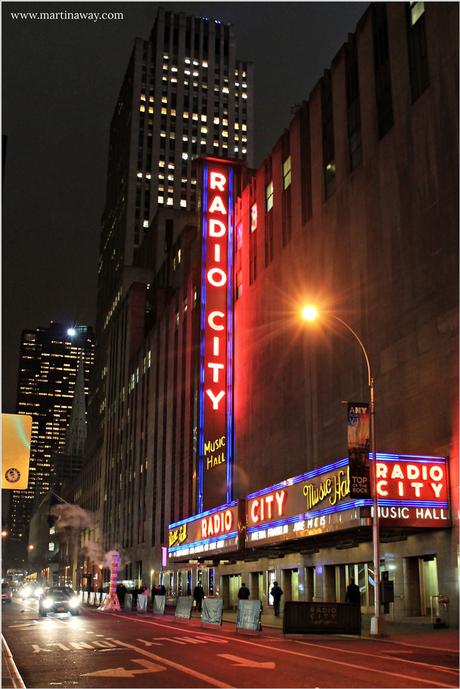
(428, 584)
(234, 587)
(290, 584)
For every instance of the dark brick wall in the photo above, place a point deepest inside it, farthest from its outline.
(381, 253)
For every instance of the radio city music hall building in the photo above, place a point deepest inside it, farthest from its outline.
(229, 443)
(355, 210)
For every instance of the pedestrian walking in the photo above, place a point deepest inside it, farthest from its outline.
(276, 592)
(121, 591)
(198, 595)
(353, 594)
(135, 593)
(244, 592)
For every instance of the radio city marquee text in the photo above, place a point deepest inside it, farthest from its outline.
(214, 526)
(215, 356)
(395, 481)
(214, 452)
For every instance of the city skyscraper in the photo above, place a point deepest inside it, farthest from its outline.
(184, 95)
(49, 361)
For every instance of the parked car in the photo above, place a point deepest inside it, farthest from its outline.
(7, 594)
(59, 599)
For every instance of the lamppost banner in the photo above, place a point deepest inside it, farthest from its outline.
(16, 436)
(358, 449)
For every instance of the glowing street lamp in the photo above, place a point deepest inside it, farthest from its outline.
(309, 314)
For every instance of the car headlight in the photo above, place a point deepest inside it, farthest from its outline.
(74, 602)
(38, 592)
(48, 603)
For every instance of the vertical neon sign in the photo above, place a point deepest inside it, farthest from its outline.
(216, 346)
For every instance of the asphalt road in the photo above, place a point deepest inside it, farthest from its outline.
(99, 649)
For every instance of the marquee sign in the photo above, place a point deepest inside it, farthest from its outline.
(213, 532)
(216, 350)
(412, 491)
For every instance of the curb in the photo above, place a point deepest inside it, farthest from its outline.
(16, 679)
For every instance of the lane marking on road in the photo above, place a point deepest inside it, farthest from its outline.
(80, 645)
(32, 623)
(367, 668)
(176, 666)
(76, 646)
(210, 638)
(38, 649)
(386, 655)
(416, 646)
(148, 643)
(247, 662)
(148, 666)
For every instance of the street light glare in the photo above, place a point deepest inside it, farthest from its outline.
(309, 313)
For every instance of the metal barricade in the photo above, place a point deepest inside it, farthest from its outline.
(141, 603)
(128, 604)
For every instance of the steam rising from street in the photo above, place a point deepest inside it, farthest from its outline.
(71, 517)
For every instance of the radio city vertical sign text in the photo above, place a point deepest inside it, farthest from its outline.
(216, 349)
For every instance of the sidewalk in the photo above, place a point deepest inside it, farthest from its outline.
(417, 632)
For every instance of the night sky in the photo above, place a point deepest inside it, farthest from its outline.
(60, 84)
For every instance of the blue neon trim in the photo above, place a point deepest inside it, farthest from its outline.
(392, 457)
(195, 517)
(230, 339)
(214, 539)
(387, 457)
(202, 336)
(297, 479)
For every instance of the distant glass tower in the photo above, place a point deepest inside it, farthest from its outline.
(49, 361)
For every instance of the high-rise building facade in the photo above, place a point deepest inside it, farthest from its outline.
(356, 211)
(185, 94)
(345, 211)
(49, 360)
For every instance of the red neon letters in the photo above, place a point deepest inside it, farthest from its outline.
(217, 524)
(216, 278)
(407, 481)
(267, 507)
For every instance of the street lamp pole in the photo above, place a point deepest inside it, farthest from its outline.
(310, 313)
(376, 619)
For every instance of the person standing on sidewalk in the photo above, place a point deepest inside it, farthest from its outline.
(244, 593)
(276, 592)
(353, 594)
(198, 595)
